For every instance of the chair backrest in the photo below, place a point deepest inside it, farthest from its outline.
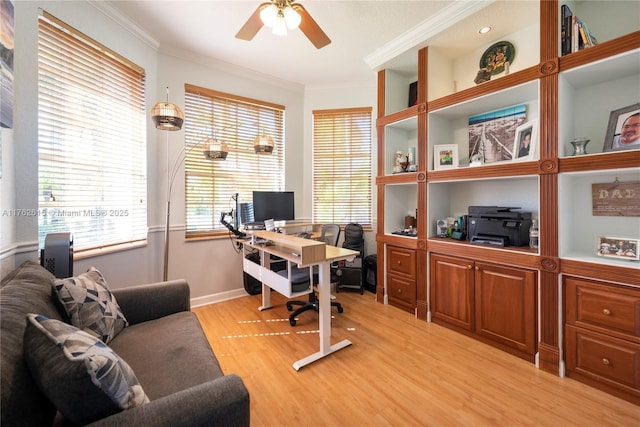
(330, 234)
(354, 238)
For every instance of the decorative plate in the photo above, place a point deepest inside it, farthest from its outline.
(494, 58)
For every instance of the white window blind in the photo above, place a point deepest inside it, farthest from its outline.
(211, 184)
(91, 140)
(342, 166)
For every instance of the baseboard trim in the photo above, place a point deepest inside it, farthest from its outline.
(219, 297)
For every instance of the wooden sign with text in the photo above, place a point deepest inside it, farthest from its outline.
(616, 199)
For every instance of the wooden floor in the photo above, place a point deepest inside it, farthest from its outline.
(399, 371)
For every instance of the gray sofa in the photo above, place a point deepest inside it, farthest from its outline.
(163, 344)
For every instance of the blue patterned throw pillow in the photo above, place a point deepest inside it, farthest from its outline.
(90, 304)
(84, 378)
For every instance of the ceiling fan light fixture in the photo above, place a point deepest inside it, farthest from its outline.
(291, 17)
(280, 27)
(269, 15)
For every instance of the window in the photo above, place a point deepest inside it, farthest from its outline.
(210, 184)
(342, 166)
(91, 140)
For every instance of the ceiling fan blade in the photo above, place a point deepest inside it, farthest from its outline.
(252, 26)
(310, 28)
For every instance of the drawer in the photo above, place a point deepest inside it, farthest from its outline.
(402, 289)
(401, 260)
(603, 307)
(604, 359)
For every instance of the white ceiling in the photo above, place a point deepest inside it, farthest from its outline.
(364, 34)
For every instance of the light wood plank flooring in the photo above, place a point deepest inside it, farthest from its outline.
(400, 371)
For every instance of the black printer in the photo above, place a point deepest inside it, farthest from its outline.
(499, 226)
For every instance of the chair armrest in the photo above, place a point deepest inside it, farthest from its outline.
(221, 402)
(152, 301)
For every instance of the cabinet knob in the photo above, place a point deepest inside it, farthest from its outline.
(477, 268)
(398, 262)
(399, 291)
(470, 267)
(605, 361)
(606, 312)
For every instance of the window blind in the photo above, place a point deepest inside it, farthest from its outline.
(210, 184)
(91, 140)
(342, 166)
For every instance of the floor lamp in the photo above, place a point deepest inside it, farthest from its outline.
(169, 117)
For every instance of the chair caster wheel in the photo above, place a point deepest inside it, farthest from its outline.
(340, 309)
(289, 307)
(292, 322)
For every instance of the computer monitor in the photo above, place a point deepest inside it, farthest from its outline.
(276, 205)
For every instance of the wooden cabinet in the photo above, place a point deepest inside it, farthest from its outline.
(495, 303)
(565, 97)
(603, 335)
(401, 277)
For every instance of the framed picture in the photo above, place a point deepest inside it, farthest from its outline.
(619, 248)
(525, 141)
(413, 94)
(445, 157)
(491, 134)
(623, 132)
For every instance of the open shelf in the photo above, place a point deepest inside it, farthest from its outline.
(579, 229)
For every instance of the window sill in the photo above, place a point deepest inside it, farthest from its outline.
(104, 250)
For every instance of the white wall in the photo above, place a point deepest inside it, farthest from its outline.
(212, 267)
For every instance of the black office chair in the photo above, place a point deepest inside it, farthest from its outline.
(300, 278)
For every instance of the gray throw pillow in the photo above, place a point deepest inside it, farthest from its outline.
(90, 304)
(80, 374)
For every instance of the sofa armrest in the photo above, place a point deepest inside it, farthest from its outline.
(221, 402)
(152, 301)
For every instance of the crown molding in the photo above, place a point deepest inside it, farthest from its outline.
(447, 17)
(232, 69)
(126, 22)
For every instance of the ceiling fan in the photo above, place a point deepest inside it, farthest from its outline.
(280, 15)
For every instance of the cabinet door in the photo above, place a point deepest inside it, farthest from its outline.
(452, 296)
(505, 304)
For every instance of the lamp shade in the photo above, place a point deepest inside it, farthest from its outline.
(263, 144)
(215, 149)
(167, 116)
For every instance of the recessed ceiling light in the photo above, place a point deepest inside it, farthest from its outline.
(485, 30)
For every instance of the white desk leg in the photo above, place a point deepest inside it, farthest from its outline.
(324, 320)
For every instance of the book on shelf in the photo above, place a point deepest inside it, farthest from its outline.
(575, 34)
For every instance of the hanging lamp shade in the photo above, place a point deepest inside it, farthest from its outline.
(167, 116)
(215, 149)
(263, 144)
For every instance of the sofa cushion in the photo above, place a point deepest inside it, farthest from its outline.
(90, 304)
(80, 374)
(27, 289)
(168, 354)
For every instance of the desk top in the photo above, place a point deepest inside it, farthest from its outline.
(298, 250)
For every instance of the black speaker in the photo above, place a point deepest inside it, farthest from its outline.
(57, 255)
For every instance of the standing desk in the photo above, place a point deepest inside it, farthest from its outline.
(303, 253)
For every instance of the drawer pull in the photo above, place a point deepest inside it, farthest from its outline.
(606, 312)
(399, 291)
(399, 263)
(605, 361)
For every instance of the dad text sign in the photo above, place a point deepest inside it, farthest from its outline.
(616, 199)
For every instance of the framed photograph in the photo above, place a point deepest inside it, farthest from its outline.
(525, 141)
(619, 248)
(491, 134)
(623, 131)
(413, 94)
(445, 157)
